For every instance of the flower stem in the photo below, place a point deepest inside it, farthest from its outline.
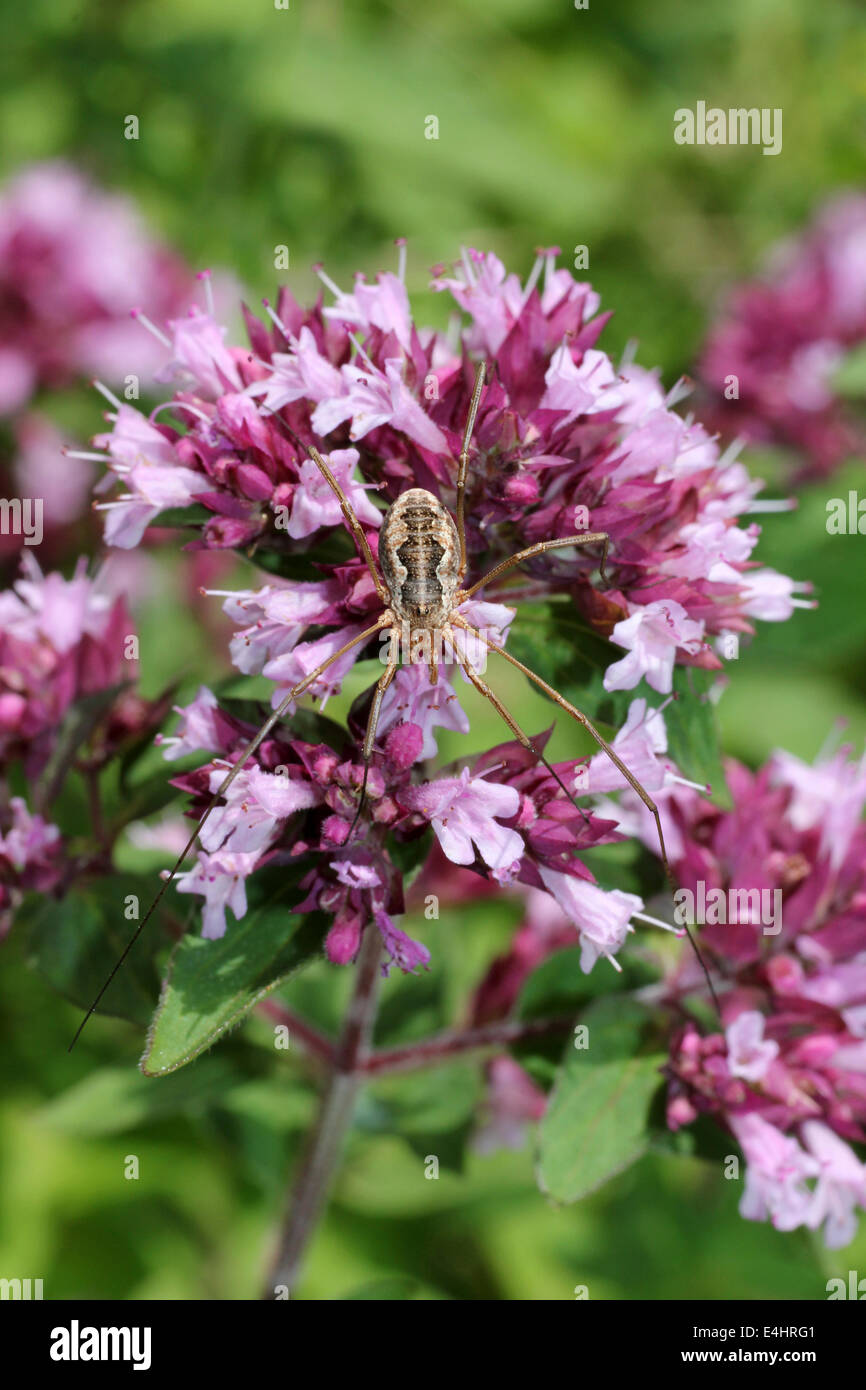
(312, 1039)
(325, 1146)
(444, 1045)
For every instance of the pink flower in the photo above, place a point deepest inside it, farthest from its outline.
(577, 389)
(256, 803)
(412, 698)
(841, 1186)
(29, 838)
(145, 460)
(302, 374)
(749, 1054)
(373, 398)
(638, 742)
(492, 298)
(201, 359)
(275, 618)
(197, 731)
(290, 669)
(770, 596)
(464, 812)
(62, 610)
(314, 504)
(776, 1175)
(73, 262)
(652, 635)
(384, 305)
(221, 880)
(829, 794)
(782, 336)
(408, 955)
(513, 1102)
(601, 918)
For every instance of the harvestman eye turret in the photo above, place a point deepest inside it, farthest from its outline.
(419, 579)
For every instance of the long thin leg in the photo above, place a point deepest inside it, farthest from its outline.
(294, 693)
(464, 463)
(372, 724)
(352, 522)
(615, 759)
(587, 538)
(484, 689)
(346, 507)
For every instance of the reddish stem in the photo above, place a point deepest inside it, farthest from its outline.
(444, 1045)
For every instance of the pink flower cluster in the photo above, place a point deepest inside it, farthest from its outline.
(60, 640)
(73, 261)
(300, 799)
(788, 1074)
(770, 360)
(31, 857)
(565, 443)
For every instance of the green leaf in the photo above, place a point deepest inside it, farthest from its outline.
(298, 563)
(559, 986)
(178, 517)
(436, 1118)
(79, 722)
(75, 943)
(114, 1099)
(211, 985)
(305, 724)
(693, 736)
(597, 1121)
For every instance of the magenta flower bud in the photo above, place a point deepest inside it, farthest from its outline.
(385, 811)
(253, 482)
(226, 533)
(12, 708)
(681, 1112)
(335, 830)
(403, 745)
(522, 490)
(343, 940)
(323, 768)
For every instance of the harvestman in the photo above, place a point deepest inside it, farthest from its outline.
(422, 564)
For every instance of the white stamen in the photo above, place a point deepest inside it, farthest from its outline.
(730, 454)
(208, 291)
(328, 283)
(81, 454)
(151, 327)
(657, 922)
(629, 353)
(677, 393)
(467, 267)
(533, 277)
(767, 504)
(673, 777)
(275, 319)
(361, 351)
(181, 405)
(401, 259)
(109, 395)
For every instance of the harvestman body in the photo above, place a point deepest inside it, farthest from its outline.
(419, 577)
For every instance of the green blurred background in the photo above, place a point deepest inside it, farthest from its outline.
(305, 127)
